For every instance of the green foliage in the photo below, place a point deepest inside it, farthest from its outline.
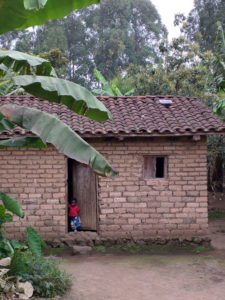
(219, 58)
(219, 107)
(19, 14)
(34, 241)
(37, 4)
(59, 134)
(44, 274)
(7, 248)
(28, 142)
(57, 60)
(201, 25)
(12, 205)
(216, 215)
(77, 98)
(25, 63)
(100, 248)
(109, 37)
(4, 217)
(126, 31)
(74, 96)
(164, 248)
(161, 80)
(109, 89)
(5, 123)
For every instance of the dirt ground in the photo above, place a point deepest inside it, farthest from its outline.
(186, 276)
(147, 277)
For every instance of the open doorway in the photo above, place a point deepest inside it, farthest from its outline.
(82, 185)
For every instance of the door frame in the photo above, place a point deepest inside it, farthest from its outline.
(70, 193)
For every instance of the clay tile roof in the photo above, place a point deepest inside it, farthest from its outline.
(136, 116)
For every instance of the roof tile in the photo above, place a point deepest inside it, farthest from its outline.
(136, 115)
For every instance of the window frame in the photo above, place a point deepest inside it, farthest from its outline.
(149, 167)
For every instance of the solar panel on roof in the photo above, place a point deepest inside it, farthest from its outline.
(166, 102)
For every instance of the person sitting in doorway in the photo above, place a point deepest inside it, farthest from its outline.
(73, 215)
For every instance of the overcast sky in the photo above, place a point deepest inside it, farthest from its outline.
(167, 10)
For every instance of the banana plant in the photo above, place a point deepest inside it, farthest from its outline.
(219, 107)
(38, 78)
(53, 89)
(21, 14)
(51, 130)
(108, 90)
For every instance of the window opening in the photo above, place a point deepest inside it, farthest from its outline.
(159, 170)
(155, 167)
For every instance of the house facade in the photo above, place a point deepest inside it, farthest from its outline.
(161, 190)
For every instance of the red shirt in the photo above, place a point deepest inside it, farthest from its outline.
(73, 210)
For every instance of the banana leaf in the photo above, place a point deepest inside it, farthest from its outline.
(116, 90)
(28, 142)
(20, 14)
(74, 96)
(5, 124)
(104, 82)
(23, 63)
(219, 107)
(34, 4)
(51, 130)
(3, 70)
(99, 92)
(12, 205)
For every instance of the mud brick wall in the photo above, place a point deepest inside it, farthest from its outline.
(37, 178)
(128, 205)
(132, 207)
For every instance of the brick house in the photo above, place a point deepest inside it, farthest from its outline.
(159, 149)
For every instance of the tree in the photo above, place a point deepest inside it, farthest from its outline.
(126, 32)
(219, 70)
(201, 25)
(57, 60)
(50, 88)
(182, 72)
(108, 37)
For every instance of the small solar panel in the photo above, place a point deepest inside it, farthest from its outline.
(166, 101)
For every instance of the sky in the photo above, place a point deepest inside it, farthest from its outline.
(167, 10)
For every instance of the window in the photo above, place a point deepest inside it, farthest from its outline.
(155, 167)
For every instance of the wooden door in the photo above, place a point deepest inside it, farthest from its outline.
(84, 189)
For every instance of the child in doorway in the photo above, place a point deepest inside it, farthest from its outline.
(73, 215)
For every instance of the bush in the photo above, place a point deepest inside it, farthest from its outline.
(44, 274)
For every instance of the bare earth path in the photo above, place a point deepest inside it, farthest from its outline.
(146, 277)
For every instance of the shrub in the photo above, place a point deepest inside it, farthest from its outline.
(44, 274)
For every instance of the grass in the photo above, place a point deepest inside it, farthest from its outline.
(48, 251)
(216, 215)
(153, 249)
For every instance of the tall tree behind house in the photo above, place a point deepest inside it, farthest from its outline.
(201, 25)
(109, 37)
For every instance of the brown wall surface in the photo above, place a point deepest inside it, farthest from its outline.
(128, 205)
(37, 178)
(171, 207)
